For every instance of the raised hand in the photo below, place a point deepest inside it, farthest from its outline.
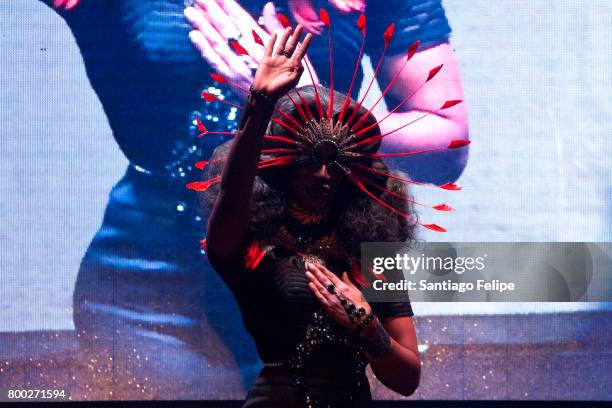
(281, 68)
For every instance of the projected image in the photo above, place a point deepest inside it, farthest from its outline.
(447, 121)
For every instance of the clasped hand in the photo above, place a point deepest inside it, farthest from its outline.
(320, 278)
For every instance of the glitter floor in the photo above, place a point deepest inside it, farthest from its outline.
(518, 357)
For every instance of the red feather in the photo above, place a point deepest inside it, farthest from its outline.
(202, 185)
(276, 161)
(389, 33)
(218, 78)
(356, 180)
(253, 256)
(434, 227)
(442, 207)
(208, 97)
(324, 16)
(283, 20)
(434, 72)
(281, 139)
(458, 143)
(413, 49)
(200, 125)
(257, 38)
(449, 104)
(201, 164)
(361, 23)
(238, 48)
(450, 186)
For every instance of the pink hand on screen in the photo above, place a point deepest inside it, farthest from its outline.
(66, 4)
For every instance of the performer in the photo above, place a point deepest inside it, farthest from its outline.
(286, 240)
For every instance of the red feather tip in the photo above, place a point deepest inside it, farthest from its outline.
(257, 38)
(284, 20)
(201, 164)
(450, 186)
(413, 49)
(389, 33)
(451, 103)
(434, 72)
(434, 227)
(238, 48)
(443, 207)
(200, 125)
(458, 143)
(208, 97)
(218, 78)
(361, 23)
(202, 185)
(324, 16)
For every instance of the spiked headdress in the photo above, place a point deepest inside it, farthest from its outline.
(348, 140)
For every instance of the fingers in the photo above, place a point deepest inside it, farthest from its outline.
(70, 4)
(237, 13)
(67, 4)
(270, 45)
(219, 18)
(317, 294)
(208, 52)
(213, 46)
(324, 275)
(301, 51)
(246, 24)
(346, 279)
(318, 289)
(283, 41)
(218, 21)
(293, 41)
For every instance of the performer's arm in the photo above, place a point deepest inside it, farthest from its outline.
(276, 75)
(399, 368)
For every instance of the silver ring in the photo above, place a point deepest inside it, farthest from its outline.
(286, 53)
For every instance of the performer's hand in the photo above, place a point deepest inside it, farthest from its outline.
(281, 68)
(273, 25)
(346, 6)
(320, 278)
(66, 4)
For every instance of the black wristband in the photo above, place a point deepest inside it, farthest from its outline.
(255, 100)
(378, 343)
(257, 94)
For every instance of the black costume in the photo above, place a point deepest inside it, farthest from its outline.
(277, 306)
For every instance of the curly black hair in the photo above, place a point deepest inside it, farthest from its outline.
(358, 217)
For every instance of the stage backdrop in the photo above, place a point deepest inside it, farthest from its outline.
(537, 80)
